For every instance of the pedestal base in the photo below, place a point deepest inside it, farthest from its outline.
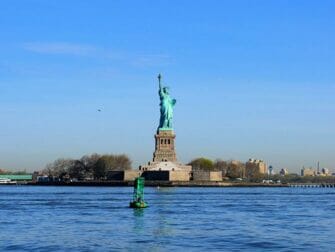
(164, 146)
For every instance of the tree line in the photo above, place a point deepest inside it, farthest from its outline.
(97, 167)
(88, 167)
(230, 168)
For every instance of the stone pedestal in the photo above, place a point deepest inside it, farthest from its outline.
(164, 146)
(165, 165)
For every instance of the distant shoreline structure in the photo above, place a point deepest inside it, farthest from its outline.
(165, 183)
(179, 184)
(153, 183)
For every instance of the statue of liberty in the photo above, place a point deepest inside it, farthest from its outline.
(166, 107)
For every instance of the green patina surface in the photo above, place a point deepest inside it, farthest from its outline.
(138, 189)
(16, 177)
(138, 197)
(166, 107)
(165, 129)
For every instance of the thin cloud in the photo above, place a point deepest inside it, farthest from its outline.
(72, 49)
(151, 60)
(61, 48)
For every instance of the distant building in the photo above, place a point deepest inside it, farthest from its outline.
(127, 175)
(308, 172)
(325, 172)
(283, 172)
(207, 175)
(255, 167)
(42, 179)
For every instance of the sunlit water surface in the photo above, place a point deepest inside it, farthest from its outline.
(196, 219)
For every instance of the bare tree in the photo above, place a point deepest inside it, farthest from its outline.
(89, 161)
(111, 163)
(235, 169)
(77, 170)
(221, 165)
(59, 167)
(89, 166)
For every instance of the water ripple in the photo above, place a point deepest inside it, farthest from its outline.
(196, 219)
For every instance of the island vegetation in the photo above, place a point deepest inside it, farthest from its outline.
(88, 167)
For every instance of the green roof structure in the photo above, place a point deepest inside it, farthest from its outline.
(17, 177)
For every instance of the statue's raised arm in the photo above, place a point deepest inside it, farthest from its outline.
(160, 85)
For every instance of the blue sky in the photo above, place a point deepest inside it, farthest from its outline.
(251, 79)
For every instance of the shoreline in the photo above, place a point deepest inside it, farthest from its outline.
(117, 183)
(157, 183)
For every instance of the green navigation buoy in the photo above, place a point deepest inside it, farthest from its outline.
(138, 197)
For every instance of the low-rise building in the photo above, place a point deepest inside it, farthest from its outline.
(165, 175)
(255, 167)
(308, 172)
(207, 175)
(325, 172)
(127, 175)
(24, 177)
(283, 172)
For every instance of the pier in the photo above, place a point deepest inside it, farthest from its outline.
(312, 185)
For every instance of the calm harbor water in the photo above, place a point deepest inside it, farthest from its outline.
(196, 219)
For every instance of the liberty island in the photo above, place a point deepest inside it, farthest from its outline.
(164, 166)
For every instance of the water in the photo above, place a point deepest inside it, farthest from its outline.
(196, 219)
